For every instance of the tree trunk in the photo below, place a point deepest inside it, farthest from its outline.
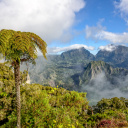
(17, 85)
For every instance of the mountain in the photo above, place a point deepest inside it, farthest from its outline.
(74, 67)
(95, 68)
(79, 70)
(99, 79)
(118, 57)
(77, 55)
(59, 68)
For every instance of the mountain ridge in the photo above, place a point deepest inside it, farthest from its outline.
(97, 78)
(68, 64)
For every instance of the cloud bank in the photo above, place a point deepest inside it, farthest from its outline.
(102, 88)
(49, 19)
(75, 46)
(99, 33)
(109, 48)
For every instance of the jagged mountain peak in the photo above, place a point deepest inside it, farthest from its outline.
(81, 49)
(77, 54)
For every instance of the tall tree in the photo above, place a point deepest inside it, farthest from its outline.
(17, 47)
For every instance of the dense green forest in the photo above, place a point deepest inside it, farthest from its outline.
(56, 107)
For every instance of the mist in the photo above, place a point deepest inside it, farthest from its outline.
(100, 87)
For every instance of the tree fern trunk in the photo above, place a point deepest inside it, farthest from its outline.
(17, 85)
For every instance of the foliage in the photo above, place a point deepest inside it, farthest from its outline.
(110, 113)
(49, 105)
(7, 91)
(113, 103)
(56, 107)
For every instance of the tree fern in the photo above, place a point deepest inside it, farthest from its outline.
(18, 47)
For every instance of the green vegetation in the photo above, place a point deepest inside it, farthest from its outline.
(42, 106)
(50, 107)
(111, 112)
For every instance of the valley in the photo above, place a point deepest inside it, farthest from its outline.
(102, 75)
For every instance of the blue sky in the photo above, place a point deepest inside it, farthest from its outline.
(104, 13)
(69, 24)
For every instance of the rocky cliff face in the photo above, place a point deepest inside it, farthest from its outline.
(95, 68)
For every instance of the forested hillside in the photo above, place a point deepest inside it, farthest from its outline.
(45, 106)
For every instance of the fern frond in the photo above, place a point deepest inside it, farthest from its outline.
(15, 44)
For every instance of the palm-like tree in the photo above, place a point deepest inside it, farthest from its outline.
(18, 47)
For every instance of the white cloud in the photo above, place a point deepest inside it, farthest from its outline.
(122, 5)
(50, 19)
(99, 33)
(75, 46)
(109, 48)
